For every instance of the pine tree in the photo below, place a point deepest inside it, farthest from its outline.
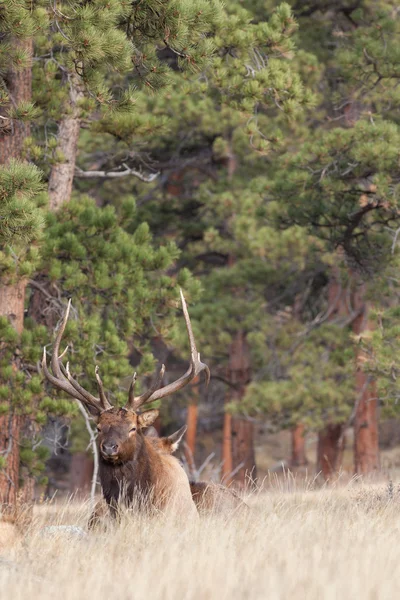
(203, 196)
(87, 60)
(343, 187)
(21, 223)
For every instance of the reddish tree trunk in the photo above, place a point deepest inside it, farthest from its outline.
(81, 474)
(19, 85)
(331, 438)
(330, 450)
(12, 295)
(12, 306)
(242, 444)
(227, 461)
(191, 422)
(299, 458)
(366, 418)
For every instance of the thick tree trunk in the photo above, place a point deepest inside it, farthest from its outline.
(19, 86)
(12, 295)
(330, 451)
(62, 173)
(81, 474)
(227, 461)
(366, 417)
(331, 438)
(299, 458)
(12, 299)
(243, 457)
(242, 444)
(191, 423)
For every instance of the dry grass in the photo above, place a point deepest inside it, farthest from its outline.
(293, 543)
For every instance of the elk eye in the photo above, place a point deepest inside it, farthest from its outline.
(133, 429)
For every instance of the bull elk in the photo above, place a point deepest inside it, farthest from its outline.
(131, 463)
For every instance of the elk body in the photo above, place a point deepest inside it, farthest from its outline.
(133, 466)
(209, 497)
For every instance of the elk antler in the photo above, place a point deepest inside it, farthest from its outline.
(155, 392)
(62, 379)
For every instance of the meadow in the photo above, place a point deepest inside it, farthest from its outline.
(293, 542)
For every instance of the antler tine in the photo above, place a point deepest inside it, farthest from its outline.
(131, 395)
(87, 398)
(55, 360)
(61, 377)
(135, 403)
(196, 363)
(195, 368)
(61, 383)
(102, 394)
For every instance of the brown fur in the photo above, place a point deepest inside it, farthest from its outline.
(14, 522)
(207, 496)
(138, 469)
(215, 498)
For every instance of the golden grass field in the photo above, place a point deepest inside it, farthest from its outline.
(294, 543)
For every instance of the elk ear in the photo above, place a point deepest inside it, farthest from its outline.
(147, 418)
(151, 432)
(175, 438)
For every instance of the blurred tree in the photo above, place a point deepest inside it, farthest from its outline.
(342, 184)
(209, 138)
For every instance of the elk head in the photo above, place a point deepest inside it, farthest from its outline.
(120, 429)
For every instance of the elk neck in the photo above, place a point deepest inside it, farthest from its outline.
(135, 473)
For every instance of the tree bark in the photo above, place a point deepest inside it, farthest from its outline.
(366, 417)
(12, 299)
(299, 458)
(243, 458)
(227, 461)
(12, 295)
(330, 450)
(81, 474)
(191, 422)
(331, 438)
(62, 173)
(19, 86)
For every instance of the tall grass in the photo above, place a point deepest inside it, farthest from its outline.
(301, 544)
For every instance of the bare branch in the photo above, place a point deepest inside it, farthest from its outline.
(113, 174)
(94, 450)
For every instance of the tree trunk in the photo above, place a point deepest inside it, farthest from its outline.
(19, 86)
(62, 173)
(299, 458)
(227, 461)
(81, 474)
(191, 422)
(366, 417)
(12, 299)
(330, 450)
(243, 459)
(12, 295)
(331, 439)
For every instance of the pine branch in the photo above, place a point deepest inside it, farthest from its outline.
(113, 174)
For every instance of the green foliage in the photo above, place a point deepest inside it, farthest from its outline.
(309, 381)
(263, 178)
(21, 220)
(117, 282)
(342, 186)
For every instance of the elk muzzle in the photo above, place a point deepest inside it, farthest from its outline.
(109, 450)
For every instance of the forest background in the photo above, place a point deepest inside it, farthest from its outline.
(248, 153)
